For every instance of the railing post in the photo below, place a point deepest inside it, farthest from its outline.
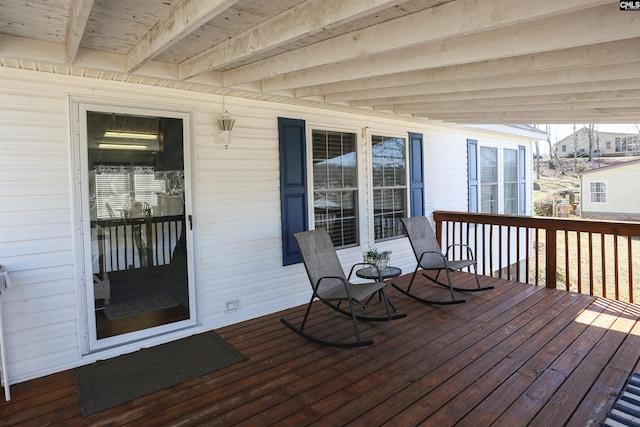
(550, 258)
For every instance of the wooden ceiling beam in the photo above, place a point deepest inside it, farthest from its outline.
(450, 20)
(556, 78)
(576, 89)
(186, 17)
(308, 18)
(605, 99)
(609, 53)
(587, 115)
(563, 32)
(491, 107)
(80, 11)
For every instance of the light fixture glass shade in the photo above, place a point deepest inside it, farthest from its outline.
(129, 135)
(109, 146)
(226, 122)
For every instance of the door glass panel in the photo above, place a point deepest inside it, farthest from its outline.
(136, 183)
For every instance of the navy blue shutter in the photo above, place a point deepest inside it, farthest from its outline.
(293, 185)
(416, 174)
(472, 169)
(522, 179)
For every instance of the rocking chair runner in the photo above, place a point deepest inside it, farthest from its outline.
(331, 287)
(430, 257)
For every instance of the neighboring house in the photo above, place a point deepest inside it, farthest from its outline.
(88, 215)
(611, 192)
(605, 144)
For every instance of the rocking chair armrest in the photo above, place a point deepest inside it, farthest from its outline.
(365, 263)
(469, 250)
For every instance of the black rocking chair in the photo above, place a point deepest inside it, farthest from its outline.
(430, 257)
(331, 287)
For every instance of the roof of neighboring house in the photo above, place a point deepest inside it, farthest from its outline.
(613, 166)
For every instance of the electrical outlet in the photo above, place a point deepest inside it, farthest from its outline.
(232, 305)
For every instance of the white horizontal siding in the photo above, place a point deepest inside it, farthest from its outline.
(445, 171)
(623, 190)
(236, 208)
(35, 227)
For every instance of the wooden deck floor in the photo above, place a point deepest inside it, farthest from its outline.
(514, 356)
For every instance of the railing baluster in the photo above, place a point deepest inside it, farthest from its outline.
(508, 252)
(475, 245)
(468, 242)
(615, 266)
(604, 270)
(630, 264)
(491, 269)
(500, 274)
(156, 239)
(537, 256)
(590, 263)
(518, 277)
(551, 258)
(118, 245)
(579, 255)
(459, 227)
(527, 257)
(566, 260)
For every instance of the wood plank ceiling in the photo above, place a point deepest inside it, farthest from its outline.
(463, 61)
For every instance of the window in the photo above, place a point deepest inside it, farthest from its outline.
(510, 165)
(114, 188)
(488, 180)
(327, 180)
(335, 185)
(564, 148)
(389, 168)
(598, 191)
(497, 179)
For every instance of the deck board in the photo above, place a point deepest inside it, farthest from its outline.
(515, 355)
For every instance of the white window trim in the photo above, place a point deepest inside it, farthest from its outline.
(88, 342)
(591, 193)
(364, 170)
(517, 151)
(310, 127)
(368, 133)
(500, 165)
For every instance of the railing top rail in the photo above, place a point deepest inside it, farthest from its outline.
(582, 225)
(111, 222)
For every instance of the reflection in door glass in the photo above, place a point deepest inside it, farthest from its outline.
(138, 230)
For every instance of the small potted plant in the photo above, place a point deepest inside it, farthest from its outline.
(374, 256)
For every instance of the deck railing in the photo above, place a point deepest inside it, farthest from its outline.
(130, 243)
(600, 258)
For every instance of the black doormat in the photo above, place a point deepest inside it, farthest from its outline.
(108, 383)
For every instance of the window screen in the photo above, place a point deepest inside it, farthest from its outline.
(598, 192)
(510, 164)
(488, 180)
(389, 167)
(335, 185)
